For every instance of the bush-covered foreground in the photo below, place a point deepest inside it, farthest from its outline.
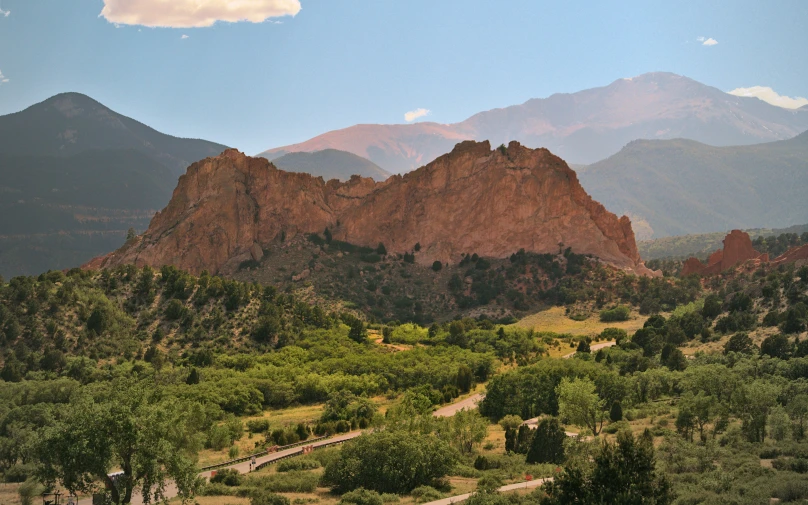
(190, 368)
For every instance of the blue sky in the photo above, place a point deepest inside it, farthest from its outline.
(341, 62)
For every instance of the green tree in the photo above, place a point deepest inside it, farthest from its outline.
(776, 346)
(798, 411)
(547, 445)
(578, 403)
(390, 461)
(130, 427)
(752, 403)
(381, 250)
(464, 379)
(624, 474)
(510, 422)
(193, 377)
(437, 266)
(583, 346)
(467, 428)
(616, 412)
(357, 332)
(712, 307)
(779, 423)
(457, 335)
(740, 343)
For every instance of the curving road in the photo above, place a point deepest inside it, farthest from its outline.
(510, 487)
(244, 466)
(592, 348)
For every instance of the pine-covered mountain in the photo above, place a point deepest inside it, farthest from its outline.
(680, 187)
(582, 127)
(75, 176)
(331, 164)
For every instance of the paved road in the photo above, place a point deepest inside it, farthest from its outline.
(510, 487)
(450, 410)
(593, 348)
(244, 467)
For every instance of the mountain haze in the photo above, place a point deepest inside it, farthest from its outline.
(681, 187)
(75, 176)
(331, 164)
(581, 127)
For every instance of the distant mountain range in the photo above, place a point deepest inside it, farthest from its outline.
(582, 127)
(75, 175)
(679, 187)
(331, 164)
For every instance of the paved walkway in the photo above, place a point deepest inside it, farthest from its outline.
(244, 467)
(530, 484)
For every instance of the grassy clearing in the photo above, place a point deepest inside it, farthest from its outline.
(554, 319)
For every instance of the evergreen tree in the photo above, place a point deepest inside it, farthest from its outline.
(624, 474)
(193, 377)
(616, 412)
(547, 445)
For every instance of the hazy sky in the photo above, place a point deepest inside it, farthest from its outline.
(334, 63)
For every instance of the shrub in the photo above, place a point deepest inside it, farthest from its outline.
(547, 445)
(260, 497)
(288, 482)
(228, 477)
(216, 489)
(288, 465)
(361, 496)
(390, 498)
(258, 425)
(389, 462)
(791, 491)
(437, 266)
(619, 313)
(423, 494)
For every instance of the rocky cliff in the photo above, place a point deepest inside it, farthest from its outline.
(738, 250)
(227, 209)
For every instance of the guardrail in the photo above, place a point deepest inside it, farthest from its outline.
(265, 464)
(259, 454)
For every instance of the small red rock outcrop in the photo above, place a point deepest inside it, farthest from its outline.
(473, 200)
(738, 250)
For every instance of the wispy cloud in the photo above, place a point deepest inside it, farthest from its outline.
(769, 95)
(195, 13)
(415, 114)
(4, 13)
(184, 36)
(3, 78)
(707, 42)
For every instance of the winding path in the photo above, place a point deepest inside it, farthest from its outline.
(530, 484)
(244, 466)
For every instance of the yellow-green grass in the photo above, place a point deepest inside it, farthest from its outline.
(555, 320)
(9, 494)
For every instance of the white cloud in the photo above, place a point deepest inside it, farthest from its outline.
(415, 114)
(3, 78)
(184, 36)
(195, 13)
(769, 95)
(4, 13)
(700, 39)
(709, 42)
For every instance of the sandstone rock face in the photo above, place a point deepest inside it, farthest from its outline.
(472, 200)
(738, 250)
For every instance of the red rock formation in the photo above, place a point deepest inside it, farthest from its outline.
(738, 250)
(798, 255)
(472, 200)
